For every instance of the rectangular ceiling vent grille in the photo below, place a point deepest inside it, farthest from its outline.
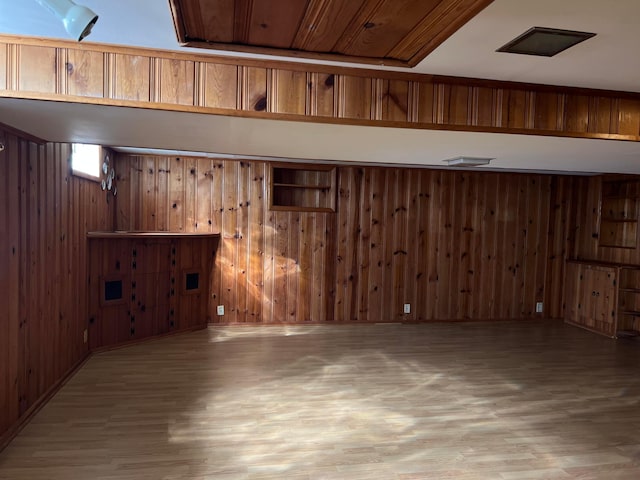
(545, 42)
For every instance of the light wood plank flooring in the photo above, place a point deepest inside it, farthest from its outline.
(494, 400)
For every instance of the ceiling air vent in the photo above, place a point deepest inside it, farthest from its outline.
(467, 161)
(545, 42)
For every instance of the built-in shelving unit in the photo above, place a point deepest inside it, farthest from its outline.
(310, 188)
(629, 302)
(619, 213)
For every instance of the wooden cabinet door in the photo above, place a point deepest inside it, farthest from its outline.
(604, 299)
(590, 297)
(586, 297)
(109, 318)
(596, 298)
(149, 280)
(572, 292)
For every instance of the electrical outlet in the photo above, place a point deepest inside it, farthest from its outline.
(407, 308)
(539, 307)
(220, 310)
(85, 336)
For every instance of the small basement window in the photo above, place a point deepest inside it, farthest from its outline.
(86, 160)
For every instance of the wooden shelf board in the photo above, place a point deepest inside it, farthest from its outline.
(630, 290)
(633, 313)
(287, 208)
(619, 220)
(138, 234)
(610, 245)
(299, 185)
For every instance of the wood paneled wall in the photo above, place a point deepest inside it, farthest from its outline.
(454, 244)
(44, 215)
(86, 73)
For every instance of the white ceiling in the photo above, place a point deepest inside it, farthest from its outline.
(268, 139)
(606, 61)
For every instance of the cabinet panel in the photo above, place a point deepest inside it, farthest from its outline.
(603, 300)
(137, 287)
(591, 297)
(572, 292)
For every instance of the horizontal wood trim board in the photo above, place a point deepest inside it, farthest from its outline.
(329, 57)
(174, 81)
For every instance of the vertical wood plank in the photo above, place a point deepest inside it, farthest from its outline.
(254, 89)
(37, 69)
(85, 73)
(177, 80)
(290, 92)
(355, 97)
(221, 86)
(3, 66)
(131, 77)
(394, 99)
(322, 94)
(177, 214)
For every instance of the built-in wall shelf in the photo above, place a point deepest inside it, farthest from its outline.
(302, 188)
(619, 213)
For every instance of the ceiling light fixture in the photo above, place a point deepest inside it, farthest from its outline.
(468, 161)
(78, 20)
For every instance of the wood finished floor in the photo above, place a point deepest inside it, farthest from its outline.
(501, 400)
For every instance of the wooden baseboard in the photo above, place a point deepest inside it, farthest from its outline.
(588, 329)
(14, 430)
(367, 322)
(148, 339)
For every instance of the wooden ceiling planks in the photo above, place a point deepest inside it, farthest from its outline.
(386, 32)
(374, 32)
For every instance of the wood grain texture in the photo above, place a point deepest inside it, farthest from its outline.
(62, 71)
(491, 400)
(152, 270)
(370, 31)
(44, 218)
(455, 245)
(83, 73)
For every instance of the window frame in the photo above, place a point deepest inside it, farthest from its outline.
(82, 174)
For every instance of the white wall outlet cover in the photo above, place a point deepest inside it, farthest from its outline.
(539, 307)
(407, 308)
(220, 310)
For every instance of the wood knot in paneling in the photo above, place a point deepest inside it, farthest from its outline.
(330, 81)
(261, 104)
